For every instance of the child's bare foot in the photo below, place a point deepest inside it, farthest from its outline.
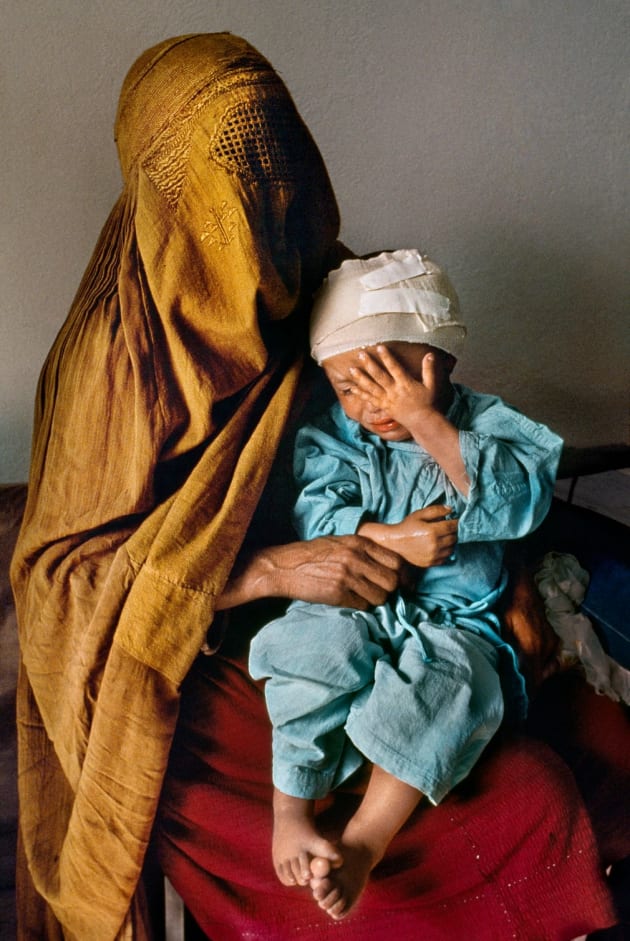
(296, 841)
(338, 890)
(386, 805)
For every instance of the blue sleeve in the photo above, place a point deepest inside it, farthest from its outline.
(330, 491)
(511, 462)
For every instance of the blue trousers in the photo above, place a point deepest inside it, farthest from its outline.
(344, 685)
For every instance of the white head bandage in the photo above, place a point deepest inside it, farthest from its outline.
(394, 296)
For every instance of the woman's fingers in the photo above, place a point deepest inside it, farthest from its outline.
(371, 571)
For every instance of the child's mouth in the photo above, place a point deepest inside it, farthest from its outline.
(388, 425)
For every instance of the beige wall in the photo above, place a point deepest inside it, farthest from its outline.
(491, 133)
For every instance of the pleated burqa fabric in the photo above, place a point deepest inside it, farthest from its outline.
(158, 414)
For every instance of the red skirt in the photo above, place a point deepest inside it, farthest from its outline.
(511, 853)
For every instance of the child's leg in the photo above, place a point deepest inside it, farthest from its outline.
(316, 660)
(431, 711)
(296, 841)
(429, 715)
(386, 806)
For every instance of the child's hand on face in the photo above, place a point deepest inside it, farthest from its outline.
(411, 388)
(385, 384)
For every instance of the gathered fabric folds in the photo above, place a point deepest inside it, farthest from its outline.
(158, 415)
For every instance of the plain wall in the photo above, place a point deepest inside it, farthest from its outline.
(490, 133)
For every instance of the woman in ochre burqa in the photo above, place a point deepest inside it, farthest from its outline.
(159, 413)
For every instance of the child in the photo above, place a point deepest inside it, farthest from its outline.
(417, 686)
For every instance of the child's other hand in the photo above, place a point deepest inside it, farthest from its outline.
(387, 386)
(425, 537)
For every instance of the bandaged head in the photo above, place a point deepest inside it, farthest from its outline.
(397, 295)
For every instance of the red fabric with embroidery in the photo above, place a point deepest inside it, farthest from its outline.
(511, 854)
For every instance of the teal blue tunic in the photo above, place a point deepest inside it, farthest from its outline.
(419, 684)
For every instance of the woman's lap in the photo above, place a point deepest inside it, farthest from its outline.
(511, 850)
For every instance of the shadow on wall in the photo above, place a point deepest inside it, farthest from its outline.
(541, 328)
(15, 441)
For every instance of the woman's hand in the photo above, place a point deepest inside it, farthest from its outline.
(424, 538)
(346, 571)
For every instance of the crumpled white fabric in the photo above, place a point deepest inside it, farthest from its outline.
(562, 583)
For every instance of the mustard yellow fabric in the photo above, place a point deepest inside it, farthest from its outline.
(158, 413)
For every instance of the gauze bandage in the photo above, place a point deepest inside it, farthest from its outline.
(395, 296)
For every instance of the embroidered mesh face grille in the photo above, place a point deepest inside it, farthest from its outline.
(259, 143)
(167, 165)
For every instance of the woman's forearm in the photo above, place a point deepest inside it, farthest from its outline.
(259, 576)
(348, 571)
